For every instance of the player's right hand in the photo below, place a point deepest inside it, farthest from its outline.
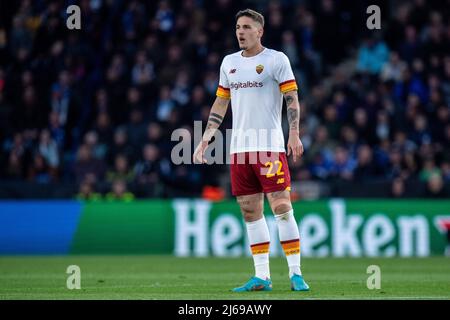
(199, 153)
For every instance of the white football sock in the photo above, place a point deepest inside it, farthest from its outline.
(290, 240)
(259, 239)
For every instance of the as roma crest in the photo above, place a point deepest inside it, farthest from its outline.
(259, 68)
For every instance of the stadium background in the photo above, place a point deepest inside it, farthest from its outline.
(83, 109)
(86, 118)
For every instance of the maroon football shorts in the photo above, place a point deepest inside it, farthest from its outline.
(255, 172)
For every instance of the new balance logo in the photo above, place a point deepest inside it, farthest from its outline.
(232, 70)
(280, 180)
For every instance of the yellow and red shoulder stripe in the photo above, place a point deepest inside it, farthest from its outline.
(288, 86)
(223, 92)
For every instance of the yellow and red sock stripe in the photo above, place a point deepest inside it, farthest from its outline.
(259, 248)
(223, 92)
(288, 86)
(291, 246)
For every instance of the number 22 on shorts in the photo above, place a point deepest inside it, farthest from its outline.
(270, 164)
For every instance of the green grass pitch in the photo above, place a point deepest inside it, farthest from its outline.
(164, 277)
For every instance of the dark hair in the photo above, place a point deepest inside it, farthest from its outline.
(256, 16)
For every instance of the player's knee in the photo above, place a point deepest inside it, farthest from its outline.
(251, 207)
(280, 202)
(281, 206)
(248, 216)
(251, 213)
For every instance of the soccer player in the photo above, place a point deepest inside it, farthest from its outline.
(255, 79)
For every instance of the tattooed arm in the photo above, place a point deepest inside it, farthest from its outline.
(293, 111)
(293, 114)
(216, 115)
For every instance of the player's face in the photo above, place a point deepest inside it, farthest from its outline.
(248, 32)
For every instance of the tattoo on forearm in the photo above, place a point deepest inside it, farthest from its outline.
(214, 120)
(290, 97)
(218, 116)
(293, 117)
(293, 111)
(289, 100)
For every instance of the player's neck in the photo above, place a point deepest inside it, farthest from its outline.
(253, 51)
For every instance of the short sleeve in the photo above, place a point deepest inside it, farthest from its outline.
(283, 74)
(223, 90)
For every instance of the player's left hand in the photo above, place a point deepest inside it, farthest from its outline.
(294, 146)
(199, 153)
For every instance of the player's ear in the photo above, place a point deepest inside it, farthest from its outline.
(260, 31)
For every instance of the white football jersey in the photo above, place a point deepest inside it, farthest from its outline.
(256, 86)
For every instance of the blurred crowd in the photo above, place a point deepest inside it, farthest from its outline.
(97, 106)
